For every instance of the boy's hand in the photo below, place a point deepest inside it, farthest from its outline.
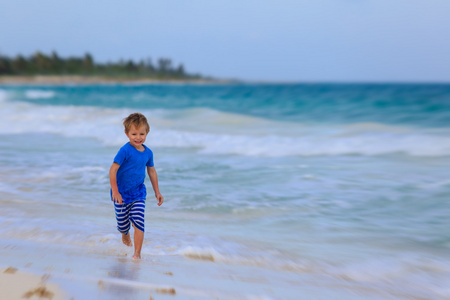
(160, 199)
(117, 197)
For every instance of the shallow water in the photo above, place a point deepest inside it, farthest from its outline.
(271, 191)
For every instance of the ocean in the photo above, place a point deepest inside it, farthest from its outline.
(272, 191)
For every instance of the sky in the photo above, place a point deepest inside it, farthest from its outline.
(256, 40)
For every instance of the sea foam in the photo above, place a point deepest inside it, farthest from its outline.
(39, 94)
(214, 132)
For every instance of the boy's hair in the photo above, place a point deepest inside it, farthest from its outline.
(137, 120)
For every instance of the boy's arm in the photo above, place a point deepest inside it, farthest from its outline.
(117, 197)
(154, 180)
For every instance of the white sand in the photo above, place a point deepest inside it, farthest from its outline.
(15, 284)
(77, 79)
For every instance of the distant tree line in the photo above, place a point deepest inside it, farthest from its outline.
(42, 64)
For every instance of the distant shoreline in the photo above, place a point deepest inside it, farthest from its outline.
(77, 79)
(111, 80)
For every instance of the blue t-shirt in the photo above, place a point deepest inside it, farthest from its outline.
(131, 173)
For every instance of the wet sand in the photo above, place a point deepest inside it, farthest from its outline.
(15, 284)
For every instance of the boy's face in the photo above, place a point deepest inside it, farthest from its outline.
(137, 136)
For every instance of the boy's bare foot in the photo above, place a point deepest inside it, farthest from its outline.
(136, 256)
(127, 240)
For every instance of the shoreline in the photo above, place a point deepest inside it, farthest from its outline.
(81, 80)
(105, 80)
(16, 284)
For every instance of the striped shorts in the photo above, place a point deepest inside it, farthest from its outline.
(133, 212)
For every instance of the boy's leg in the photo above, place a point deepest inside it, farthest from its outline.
(123, 222)
(138, 241)
(137, 213)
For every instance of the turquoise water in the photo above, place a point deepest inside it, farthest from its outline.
(272, 191)
(418, 105)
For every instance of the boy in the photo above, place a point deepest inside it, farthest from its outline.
(127, 175)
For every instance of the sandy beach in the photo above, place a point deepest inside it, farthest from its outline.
(16, 284)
